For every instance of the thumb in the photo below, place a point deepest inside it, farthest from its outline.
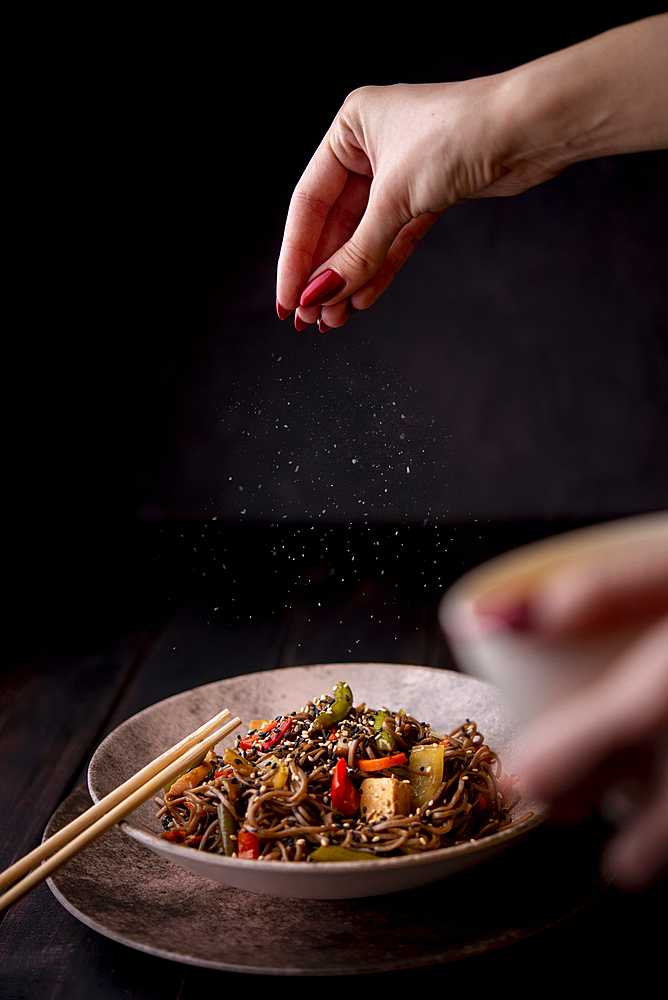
(355, 263)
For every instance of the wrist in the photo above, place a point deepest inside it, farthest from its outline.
(604, 96)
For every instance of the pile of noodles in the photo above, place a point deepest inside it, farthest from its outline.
(292, 821)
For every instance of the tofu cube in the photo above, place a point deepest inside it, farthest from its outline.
(383, 798)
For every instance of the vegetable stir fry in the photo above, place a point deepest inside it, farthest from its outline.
(339, 782)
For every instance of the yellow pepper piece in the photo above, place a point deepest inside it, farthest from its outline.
(281, 776)
(426, 765)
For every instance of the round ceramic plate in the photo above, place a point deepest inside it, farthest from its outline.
(443, 698)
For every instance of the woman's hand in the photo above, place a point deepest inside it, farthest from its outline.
(395, 158)
(607, 745)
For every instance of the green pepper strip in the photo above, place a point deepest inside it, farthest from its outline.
(228, 827)
(384, 740)
(239, 763)
(333, 852)
(343, 702)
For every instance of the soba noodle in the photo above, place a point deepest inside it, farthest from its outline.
(275, 787)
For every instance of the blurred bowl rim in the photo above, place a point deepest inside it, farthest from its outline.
(526, 563)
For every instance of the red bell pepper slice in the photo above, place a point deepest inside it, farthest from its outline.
(268, 736)
(248, 846)
(248, 742)
(275, 736)
(345, 797)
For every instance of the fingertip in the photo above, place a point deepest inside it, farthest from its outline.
(282, 312)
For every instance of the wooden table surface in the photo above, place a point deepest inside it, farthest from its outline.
(180, 607)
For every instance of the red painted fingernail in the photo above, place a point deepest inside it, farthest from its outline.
(282, 313)
(299, 323)
(323, 287)
(350, 308)
(323, 327)
(515, 616)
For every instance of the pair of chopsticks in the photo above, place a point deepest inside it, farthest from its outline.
(115, 806)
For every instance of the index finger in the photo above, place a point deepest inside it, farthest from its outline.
(316, 192)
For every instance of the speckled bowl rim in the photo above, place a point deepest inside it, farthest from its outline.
(177, 852)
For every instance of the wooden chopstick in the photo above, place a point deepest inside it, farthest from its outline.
(83, 830)
(108, 802)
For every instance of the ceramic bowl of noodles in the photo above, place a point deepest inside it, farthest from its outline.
(345, 779)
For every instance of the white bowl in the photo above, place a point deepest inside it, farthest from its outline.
(441, 697)
(533, 673)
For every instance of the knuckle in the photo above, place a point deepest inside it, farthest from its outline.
(358, 97)
(354, 97)
(309, 205)
(357, 259)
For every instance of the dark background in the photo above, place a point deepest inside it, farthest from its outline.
(165, 428)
